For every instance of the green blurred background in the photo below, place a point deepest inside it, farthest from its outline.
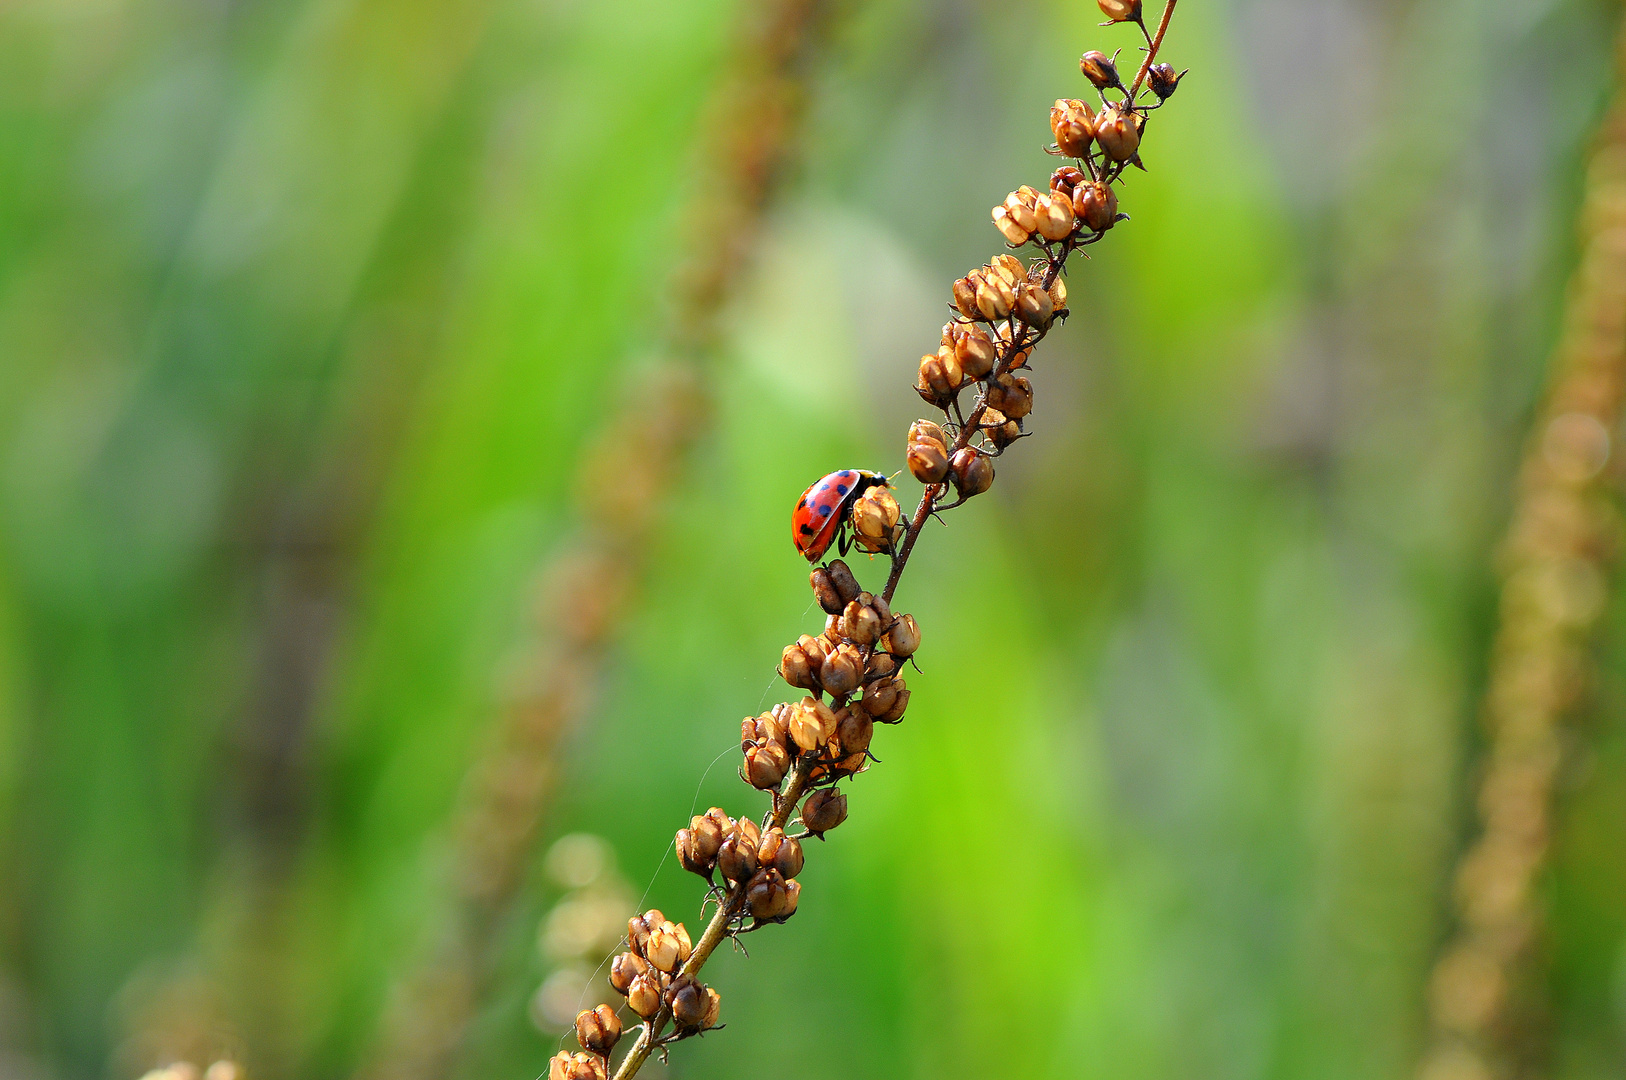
(309, 307)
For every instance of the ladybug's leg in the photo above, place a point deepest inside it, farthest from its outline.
(844, 542)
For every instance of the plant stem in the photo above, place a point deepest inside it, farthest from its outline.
(1151, 53)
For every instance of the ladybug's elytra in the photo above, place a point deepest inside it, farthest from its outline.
(822, 510)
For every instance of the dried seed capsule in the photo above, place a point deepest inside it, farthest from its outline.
(1058, 296)
(1013, 233)
(973, 473)
(995, 295)
(1163, 81)
(1073, 124)
(899, 705)
(882, 608)
(598, 1029)
(737, 859)
(780, 852)
(874, 518)
(1033, 304)
(798, 669)
(1099, 68)
(824, 810)
(689, 854)
(1011, 395)
(824, 590)
(758, 731)
(768, 896)
(1067, 179)
(766, 766)
(902, 637)
(625, 968)
(1097, 204)
(567, 1066)
(1118, 132)
(928, 461)
(639, 926)
(940, 379)
(860, 623)
(879, 695)
(973, 349)
(925, 429)
(644, 995)
(965, 297)
(881, 666)
(854, 730)
(1120, 10)
(841, 674)
(1019, 204)
(1008, 267)
(694, 1005)
(662, 947)
(1055, 214)
(812, 722)
(842, 578)
(1000, 429)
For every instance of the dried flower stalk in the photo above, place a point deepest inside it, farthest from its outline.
(799, 752)
(1484, 999)
(749, 137)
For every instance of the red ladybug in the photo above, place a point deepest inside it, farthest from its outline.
(821, 512)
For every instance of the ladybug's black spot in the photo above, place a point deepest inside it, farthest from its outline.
(807, 530)
(824, 511)
(842, 488)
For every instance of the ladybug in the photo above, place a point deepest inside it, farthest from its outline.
(821, 512)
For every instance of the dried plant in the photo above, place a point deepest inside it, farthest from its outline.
(747, 140)
(800, 752)
(1484, 1002)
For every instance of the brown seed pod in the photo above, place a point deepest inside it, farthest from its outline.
(1011, 395)
(996, 296)
(625, 968)
(881, 666)
(1013, 233)
(824, 590)
(1118, 132)
(842, 578)
(567, 1066)
(766, 766)
(1163, 80)
(694, 1005)
(965, 298)
(780, 852)
(975, 351)
(1099, 68)
(1019, 204)
(690, 855)
(1067, 179)
(1058, 301)
(940, 379)
(598, 1029)
(737, 859)
(639, 927)
(973, 473)
(874, 518)
(1072, 122)
(854, 730)
(1000, 429)
(928, 461)
(902, 637)
(798, 669)
(843, 670)
(860, 623)
(925, 429)
(1055, 213)
(1120, 10)
(663, 948)
(768, 896)
(1097, 205)
(644, 995)
(1033, 304)
(824, 810)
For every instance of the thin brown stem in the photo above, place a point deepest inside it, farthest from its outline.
(1151, 53)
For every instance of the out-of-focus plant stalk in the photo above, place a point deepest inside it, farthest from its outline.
(744, 151)
(1486, 1013)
